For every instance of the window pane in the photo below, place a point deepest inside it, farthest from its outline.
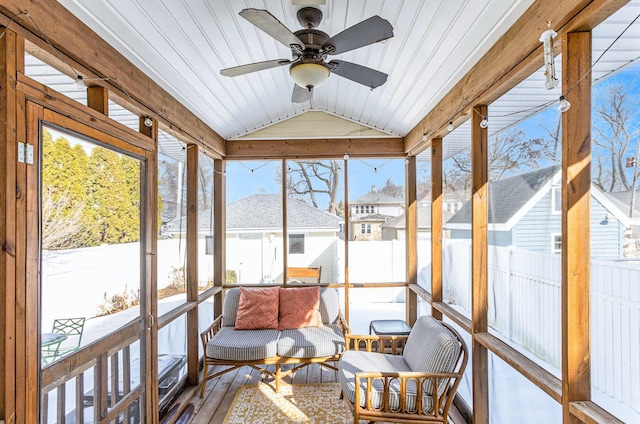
(90, 242)
(423, 188)
(254, 222)
(315, 206)
(615, 244)
(172, 242)
(205, 222)
(524, 233)
(456, 218)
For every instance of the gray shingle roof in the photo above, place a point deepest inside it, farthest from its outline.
(622, 199)
(265, 211)
(375, 198)
(508, 195)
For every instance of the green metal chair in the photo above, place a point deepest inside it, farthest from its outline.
(69, 335)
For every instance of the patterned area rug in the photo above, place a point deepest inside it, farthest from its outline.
(298, 403)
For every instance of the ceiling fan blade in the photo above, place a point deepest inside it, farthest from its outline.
(253, 67)
(301, 95)
(366, 32)
(272, 26)
(358, 73)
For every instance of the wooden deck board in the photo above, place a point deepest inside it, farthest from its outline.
(212, 408)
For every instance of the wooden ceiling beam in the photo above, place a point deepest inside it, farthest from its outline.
(515, 56)
(84, 49)
(315, 148)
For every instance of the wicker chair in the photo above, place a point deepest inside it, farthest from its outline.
(417, 386)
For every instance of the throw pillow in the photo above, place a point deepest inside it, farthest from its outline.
(258, 308)
(300, 308)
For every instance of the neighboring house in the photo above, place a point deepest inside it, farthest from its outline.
(396, 228)
(255, 245)
(622, 199)
(525, 212)
(370, 211)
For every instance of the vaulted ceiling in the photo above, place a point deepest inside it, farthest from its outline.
(183, 45)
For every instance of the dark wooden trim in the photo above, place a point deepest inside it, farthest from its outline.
(542, 378)
(285, 224)
(210, 292)
(149, 278)
(454, 315)
(98, 99)
(590, 413)
(175, 313)
(411, 231)
(347, 235)
(28, 252)
(193, 335)
(576, 200)
(74, 111)
(325, 148)
(479, 265)
(8, 159)
(219, 233)
(436, 224)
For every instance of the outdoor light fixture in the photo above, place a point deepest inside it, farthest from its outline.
(79, 83)
(148, 122)
(450, 127)
(345, 157)
(549, 63)
(485, 122)
(563, 104)
(309, 74)
(424, 137)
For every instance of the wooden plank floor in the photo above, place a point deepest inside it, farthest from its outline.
(212, 408)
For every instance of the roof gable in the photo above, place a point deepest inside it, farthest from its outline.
(376, 198)
(512, 197)
(314, 124)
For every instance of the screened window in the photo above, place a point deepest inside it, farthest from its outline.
(556, 243)
(556, 200)
(296, 243)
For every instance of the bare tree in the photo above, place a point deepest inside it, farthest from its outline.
(392, 189)
(308, 179)
(509, 152)
(63, 226)
(612, 136)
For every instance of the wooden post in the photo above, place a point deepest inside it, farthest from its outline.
(192, 264)
(576, 192)
(219, 233)
(411, 230)
(436, 225)
(479, 275)
(98, 99)
(150, 299)
(9, 64)
(347, 231)
(285, 226)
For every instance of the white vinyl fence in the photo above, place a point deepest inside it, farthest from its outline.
(524, 307)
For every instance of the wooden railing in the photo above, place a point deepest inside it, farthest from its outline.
(101, 376)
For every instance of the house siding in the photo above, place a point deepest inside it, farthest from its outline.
(534, 230)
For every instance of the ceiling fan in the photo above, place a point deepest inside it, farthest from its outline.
(310, 47)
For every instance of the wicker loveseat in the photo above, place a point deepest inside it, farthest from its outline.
(417, 386)
(227, 346)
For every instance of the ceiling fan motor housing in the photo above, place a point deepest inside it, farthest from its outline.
(309, 17)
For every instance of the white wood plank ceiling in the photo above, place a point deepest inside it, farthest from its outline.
(183, 44)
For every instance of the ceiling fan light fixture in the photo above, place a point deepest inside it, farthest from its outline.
(309, 74)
